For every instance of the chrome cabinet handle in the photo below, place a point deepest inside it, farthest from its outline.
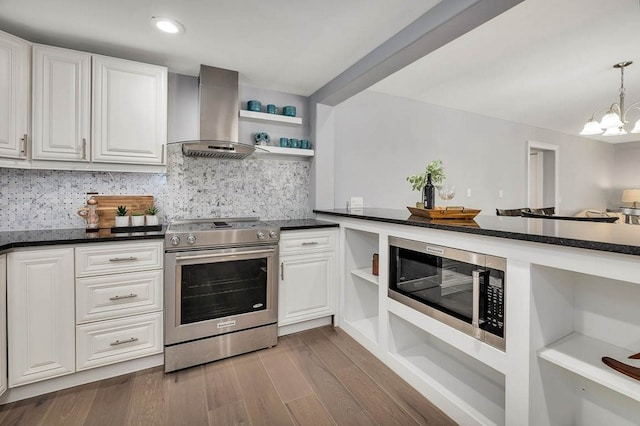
(123, 259)
(130, 296)
(84, 148)
(162, 155)
(122, 342)
(310, 243)
(23, 149)
(282, 271)
(475, 315)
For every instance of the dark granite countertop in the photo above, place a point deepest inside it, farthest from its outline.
(296, 224)
(47, 237)
(609, 237)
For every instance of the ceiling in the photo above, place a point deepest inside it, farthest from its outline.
(291, 46)
(546, 63)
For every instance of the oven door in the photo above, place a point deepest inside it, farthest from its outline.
(212, 292)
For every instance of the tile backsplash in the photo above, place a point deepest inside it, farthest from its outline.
(193, 187)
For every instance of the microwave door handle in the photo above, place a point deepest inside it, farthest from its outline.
(475, 314)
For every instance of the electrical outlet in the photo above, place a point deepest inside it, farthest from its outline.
(356, 202)
(469, 192)
(500, 193)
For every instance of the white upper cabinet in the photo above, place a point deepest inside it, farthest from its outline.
(14, 96)
(61, 104)
(129, 111)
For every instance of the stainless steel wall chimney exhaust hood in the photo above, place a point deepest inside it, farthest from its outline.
(219, 103)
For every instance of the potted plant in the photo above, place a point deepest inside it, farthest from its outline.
(121, 216)
(137, 218)
(150, 215)
(419, 181)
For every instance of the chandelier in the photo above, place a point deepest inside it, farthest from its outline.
(614, 120)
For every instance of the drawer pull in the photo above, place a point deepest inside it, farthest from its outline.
(123, 259)
(129, 296)
(310, 243)
(122, 342)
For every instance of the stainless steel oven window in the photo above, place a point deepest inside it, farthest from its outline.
(221, 289)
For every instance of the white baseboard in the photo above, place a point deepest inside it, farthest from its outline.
(80, 378)
(302, 326)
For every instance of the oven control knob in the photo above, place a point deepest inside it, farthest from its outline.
(175, 240)
(260, 235)
(191, 239)
(273, 234)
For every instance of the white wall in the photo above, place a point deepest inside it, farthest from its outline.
(381, 139)
(626, 174)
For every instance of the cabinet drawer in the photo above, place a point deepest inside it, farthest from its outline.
(307, 241)
(111, 296)
(108, 342)
(100, 259)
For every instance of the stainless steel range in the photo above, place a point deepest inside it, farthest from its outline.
(221, 289)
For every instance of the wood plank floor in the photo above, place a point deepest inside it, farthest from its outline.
(317, 377)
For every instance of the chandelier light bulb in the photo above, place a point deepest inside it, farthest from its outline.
(592, 127)
(636, 128)
(611, 120)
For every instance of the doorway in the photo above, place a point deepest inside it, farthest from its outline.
(542, 175)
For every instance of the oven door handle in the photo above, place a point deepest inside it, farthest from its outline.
(475, 314)
(227, 254)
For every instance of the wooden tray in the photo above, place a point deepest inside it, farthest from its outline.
(459, 213)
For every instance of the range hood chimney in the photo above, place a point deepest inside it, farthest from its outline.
(218, 117)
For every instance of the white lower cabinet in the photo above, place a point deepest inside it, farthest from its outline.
(111, 296)
(40, 315)
(118, 302)
(308, 275)
(60, 322)
(107, 342)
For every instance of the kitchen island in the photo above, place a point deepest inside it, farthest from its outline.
(572, 293)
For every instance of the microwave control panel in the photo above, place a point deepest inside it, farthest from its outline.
(494, 314)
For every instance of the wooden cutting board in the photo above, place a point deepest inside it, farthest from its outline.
(107, 205)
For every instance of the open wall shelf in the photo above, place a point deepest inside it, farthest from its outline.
(262, 116)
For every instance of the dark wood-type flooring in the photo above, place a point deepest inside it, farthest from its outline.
(317, 377)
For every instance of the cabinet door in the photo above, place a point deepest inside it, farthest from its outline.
(41, 318)
(307, 287)
(61, 104)
(129, 111)
(14, 96)
(3, 323)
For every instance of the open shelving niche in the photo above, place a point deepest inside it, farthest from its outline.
(443, 371)
(277, 151)
(580, 319)
(361, 300)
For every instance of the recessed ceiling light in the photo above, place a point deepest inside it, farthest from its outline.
(167, 25)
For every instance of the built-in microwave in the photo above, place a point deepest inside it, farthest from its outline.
(460, 288)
